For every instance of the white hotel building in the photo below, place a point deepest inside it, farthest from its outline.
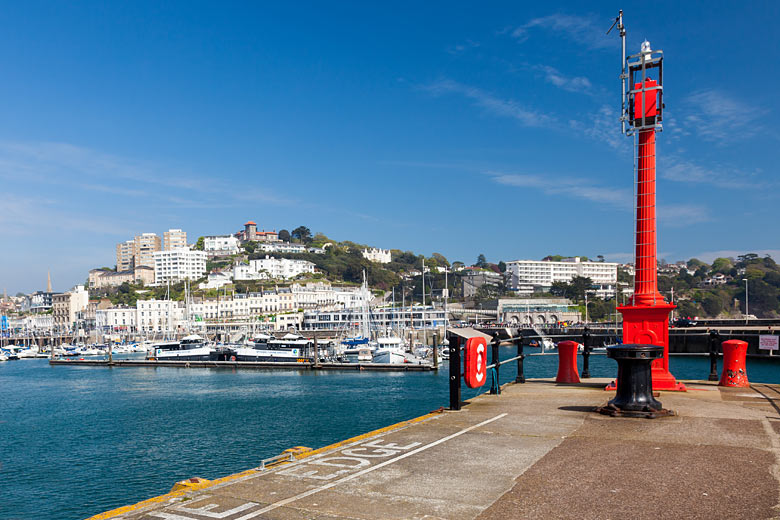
(178, 264)
(525, 275)
(220, 245)
(268, 267)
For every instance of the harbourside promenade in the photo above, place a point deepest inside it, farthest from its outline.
(537, 450)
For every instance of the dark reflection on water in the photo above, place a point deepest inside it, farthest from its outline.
(81, 440)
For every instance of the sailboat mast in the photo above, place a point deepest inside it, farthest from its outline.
(366, 330)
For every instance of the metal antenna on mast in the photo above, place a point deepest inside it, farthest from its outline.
(623, 76)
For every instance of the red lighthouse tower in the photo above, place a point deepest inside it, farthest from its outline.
(646, 318)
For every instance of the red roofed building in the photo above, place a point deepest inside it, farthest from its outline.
(251, 234)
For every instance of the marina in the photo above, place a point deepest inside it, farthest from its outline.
(403, 327)
(112, 436)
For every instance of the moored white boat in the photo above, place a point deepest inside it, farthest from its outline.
(190, 348)
(390, 349)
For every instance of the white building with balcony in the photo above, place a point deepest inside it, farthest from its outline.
(221, 245)
(269, 267)
(115, 319)
(160, 315)
(178, 264)
(524, 273)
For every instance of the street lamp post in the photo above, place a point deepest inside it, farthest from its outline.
(747, 313)
(586, 307)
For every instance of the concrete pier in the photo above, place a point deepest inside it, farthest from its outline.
(537, 450)
(270, 365)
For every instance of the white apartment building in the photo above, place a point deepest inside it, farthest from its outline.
(221, 244)
(277, 268)
(115, 319)
(178, 264)
(321, 295)
(159, 315)
(377, 255)
(281, 247)
(544, 274)
(174, 239)
(244, 306)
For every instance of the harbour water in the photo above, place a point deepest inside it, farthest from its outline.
(81, 440)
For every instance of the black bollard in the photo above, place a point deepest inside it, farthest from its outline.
(634, 397)
(586, 346)
(714, 341)
(520, 373)
(455, 369)
(495, 387)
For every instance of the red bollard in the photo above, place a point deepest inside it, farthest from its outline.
(734, 371)
(567, 362)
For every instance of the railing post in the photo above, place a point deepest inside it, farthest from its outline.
(520, 373)
(714, 341)
(436, 350)
(495, 386)
(454, 372)
(586, 346)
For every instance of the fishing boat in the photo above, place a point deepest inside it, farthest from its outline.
(390, 349)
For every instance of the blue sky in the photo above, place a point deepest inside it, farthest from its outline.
(447, 127)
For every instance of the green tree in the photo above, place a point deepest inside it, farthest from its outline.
(712, 305)
(302, 233)
(441, 260)
(250, 247)
(722, 265)
(578, 286)
(199, 244)
(284, 235)
(695, 263)
(502, 266)
(481, 261)
(559, 289)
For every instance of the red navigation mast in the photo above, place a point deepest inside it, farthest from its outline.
(646, 318)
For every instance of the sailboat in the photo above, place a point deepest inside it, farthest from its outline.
(358, 347)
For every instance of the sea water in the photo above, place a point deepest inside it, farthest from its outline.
(77, 440)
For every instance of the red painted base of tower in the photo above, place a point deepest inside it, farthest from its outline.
(649, 325)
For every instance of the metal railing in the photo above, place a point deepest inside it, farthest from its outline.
(521, 340)
(588, 339)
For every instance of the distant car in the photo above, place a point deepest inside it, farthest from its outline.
(684, 322)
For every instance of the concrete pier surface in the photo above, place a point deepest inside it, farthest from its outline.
(536, 451)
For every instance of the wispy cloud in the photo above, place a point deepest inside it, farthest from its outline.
(717, 117)
(673, 215)
(680, 170)
(87, 169)
(495, 105)
(571, 84)
(681, 215)
(574, 187)
(463, 47)
(583, 30)
(603, 126)
(21, 214)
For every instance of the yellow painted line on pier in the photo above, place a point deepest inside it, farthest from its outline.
(209, 483)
